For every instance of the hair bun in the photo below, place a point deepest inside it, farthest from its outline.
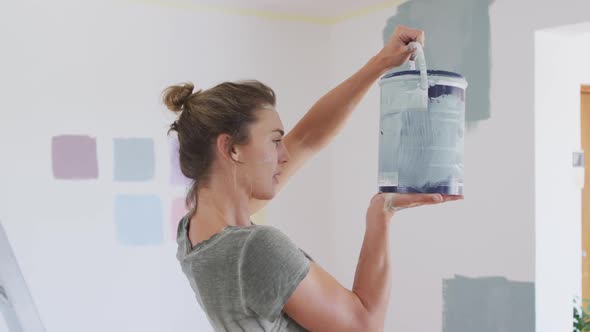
(176, 96)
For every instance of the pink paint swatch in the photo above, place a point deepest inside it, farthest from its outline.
(73, 157)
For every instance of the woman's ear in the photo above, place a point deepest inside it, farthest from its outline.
(226, 149)
(234, 153)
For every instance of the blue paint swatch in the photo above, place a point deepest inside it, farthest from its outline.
(139, 219)
(134, 159)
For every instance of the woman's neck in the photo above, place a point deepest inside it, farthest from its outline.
(220, 207)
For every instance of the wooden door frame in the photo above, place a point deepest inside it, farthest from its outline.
(585, 144)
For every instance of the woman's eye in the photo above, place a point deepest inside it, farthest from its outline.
(277, 141)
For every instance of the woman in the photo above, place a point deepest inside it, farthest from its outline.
(249, 277)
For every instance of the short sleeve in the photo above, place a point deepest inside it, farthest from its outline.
(271, 268)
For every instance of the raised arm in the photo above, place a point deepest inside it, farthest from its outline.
(328, 115)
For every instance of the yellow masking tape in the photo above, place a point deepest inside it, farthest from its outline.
(184, 4)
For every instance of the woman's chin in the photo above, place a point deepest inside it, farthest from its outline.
(272, 193)
(267, 195)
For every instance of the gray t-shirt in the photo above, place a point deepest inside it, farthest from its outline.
(243, 276)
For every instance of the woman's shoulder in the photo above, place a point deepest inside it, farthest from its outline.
(266, 240)
(266, 233)
(270, 239)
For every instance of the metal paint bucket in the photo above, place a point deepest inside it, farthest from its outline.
(421, 150)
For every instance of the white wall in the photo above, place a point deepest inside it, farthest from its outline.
(99, 68)
(561, 66)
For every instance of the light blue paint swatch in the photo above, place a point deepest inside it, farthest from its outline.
(139, 219)
(134, 159)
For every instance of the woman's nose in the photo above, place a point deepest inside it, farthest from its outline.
(285, 156)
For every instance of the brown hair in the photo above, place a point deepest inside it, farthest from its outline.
(228, 108)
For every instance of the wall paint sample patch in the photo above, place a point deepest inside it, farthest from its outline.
(73, 157)
(138, 219)
(134, 159)
(488, 304)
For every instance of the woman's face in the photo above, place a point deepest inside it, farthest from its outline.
(262, 159)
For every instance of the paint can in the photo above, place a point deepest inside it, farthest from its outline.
(421, 149)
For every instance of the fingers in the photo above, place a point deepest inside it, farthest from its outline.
(421, 39)
(397, 50)
(388, 201)
(428, 198)
(410, 50)
(408, 35)
(397, 201)
(410, 200)
(449, 198)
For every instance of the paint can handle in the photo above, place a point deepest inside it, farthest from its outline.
(421, 59)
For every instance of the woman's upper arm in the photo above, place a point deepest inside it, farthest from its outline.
(276, 276)
(321, 303)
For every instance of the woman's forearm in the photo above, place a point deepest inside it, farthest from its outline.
(372, 280)
(328, 115)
